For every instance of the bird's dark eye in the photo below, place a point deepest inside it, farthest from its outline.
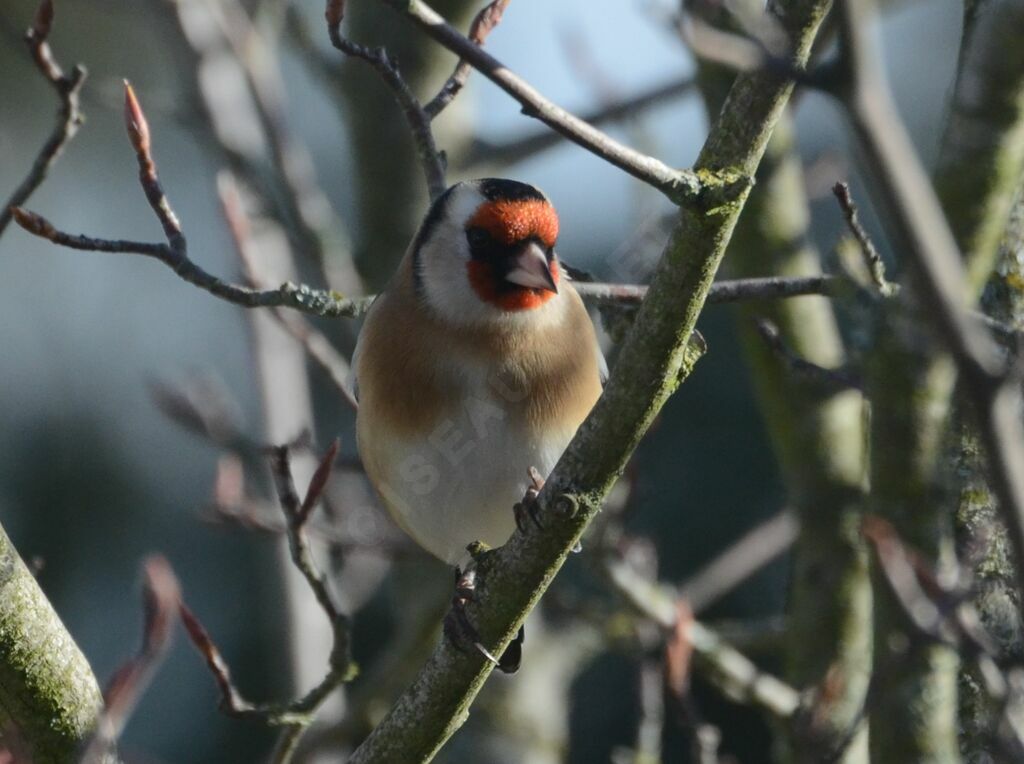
(478, 238)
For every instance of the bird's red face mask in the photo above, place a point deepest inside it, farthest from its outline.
(512, 261)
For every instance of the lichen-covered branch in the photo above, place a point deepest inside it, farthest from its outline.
(49, 699)
(912, 372)
(654, 360)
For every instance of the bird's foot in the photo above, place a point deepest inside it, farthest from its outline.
(529, 508)
(463, 635)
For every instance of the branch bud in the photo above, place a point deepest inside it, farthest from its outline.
(43, 21)
(135, 121)
(334, 13)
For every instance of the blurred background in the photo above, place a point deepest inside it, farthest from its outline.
(93, 476)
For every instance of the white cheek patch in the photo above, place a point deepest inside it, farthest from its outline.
(444, 257)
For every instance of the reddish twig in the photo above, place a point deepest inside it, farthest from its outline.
(160, 598)
(69, 115)
(484, 23)
(295, 716)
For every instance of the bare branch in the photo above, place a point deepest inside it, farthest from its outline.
(69, 115)
(730, 290)
(515, 150)
(818, 377)
(655, 359)
(921, 232)
(296, 716)
(174, 253)
(418, 119)
(486, 20)
(678, 185)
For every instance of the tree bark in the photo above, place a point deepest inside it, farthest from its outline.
(49, 699)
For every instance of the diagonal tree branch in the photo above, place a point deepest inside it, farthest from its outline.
(417, 117)
(486, 20)
(654, 360)
(47, 689)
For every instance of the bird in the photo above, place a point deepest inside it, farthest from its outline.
(473, 369)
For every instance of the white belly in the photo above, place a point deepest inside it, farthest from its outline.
(459, 484)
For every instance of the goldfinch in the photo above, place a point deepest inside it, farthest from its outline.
(475, 365)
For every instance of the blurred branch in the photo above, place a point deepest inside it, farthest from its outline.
(161, 598)
(309, 217)
(734, 290)
(418, 118)
(939, 611)
(812, 376)
(817, 431)
(654, 360)
(315, 343)
(678, 185)
(69, 115)
(744, 557)
(729, 670)
(912, 384)
(979, 180)
(296, 716)
(484, 152)
(49, 699)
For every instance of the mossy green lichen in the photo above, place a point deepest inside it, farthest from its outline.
(47, 689)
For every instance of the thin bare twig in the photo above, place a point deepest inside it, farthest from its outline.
(295, 716)
(517, 149)
(922, 233)
(307, 213)
(69, 115)
(174, 253)
(160, 598)
(872, 258)
(486, 20)
(678, 185)
(419, 120)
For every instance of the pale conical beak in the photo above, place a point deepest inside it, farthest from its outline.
(531, 269)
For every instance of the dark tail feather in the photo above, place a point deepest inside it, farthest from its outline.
(513, 655)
